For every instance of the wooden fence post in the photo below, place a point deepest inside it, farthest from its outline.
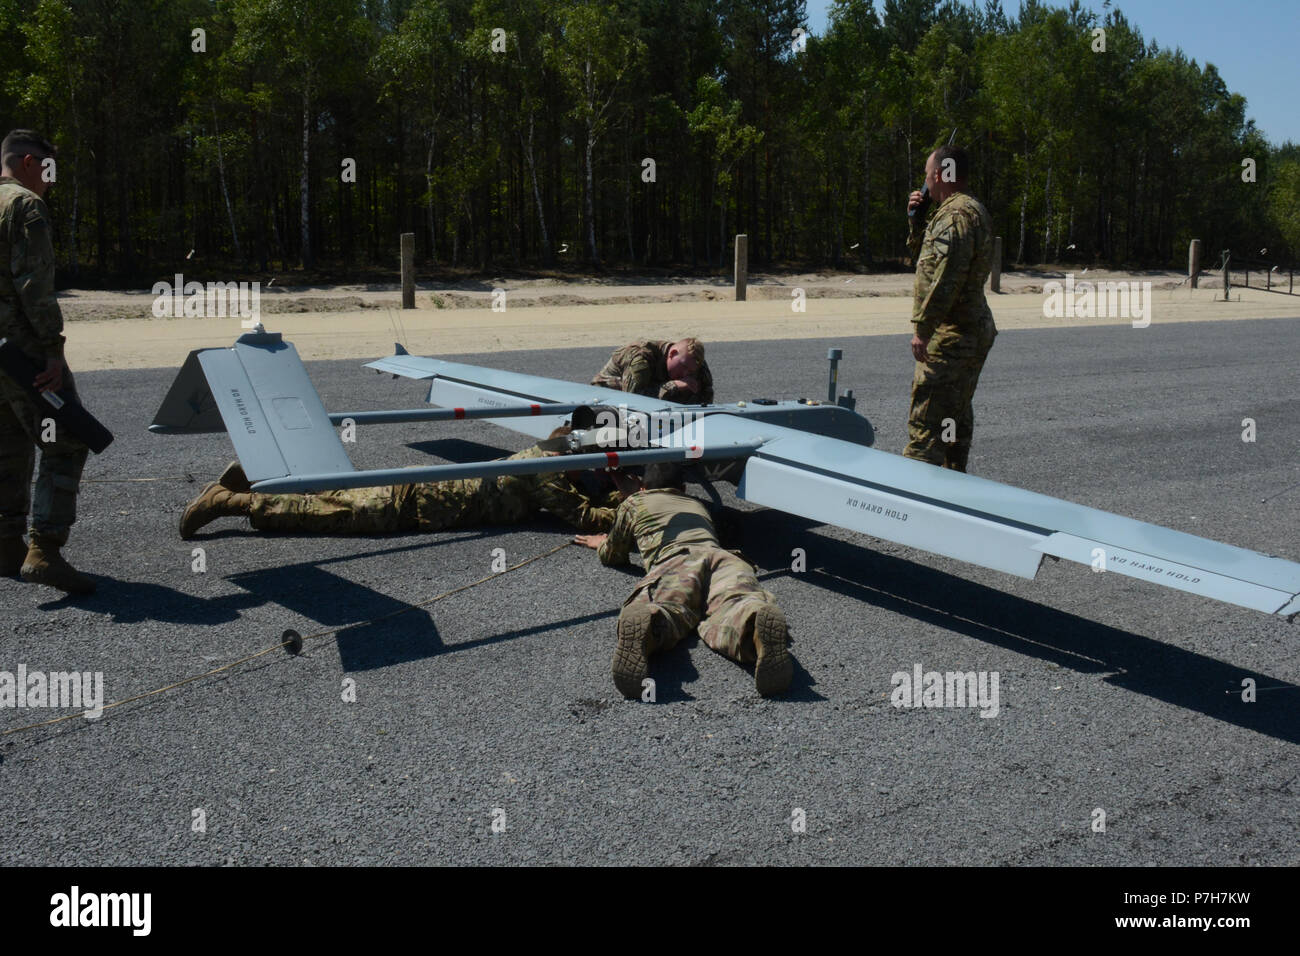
(742, 266)
(408, 270)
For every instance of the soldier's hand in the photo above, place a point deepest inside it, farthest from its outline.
(593, 541)
(913, 201)
(689, 384)
(51, 380)
(919, 348)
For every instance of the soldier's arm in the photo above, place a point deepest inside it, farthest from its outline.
(705, 378)
(608, 376)
(953, 247)
(638, 376)
(915, 235)
(557, 495)
(32, 266)
(673, 393)
(618, 544)
(703, 395)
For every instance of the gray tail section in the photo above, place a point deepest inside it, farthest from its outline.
(259, 392)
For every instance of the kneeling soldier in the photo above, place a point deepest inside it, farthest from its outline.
(673, 371)
(690, 582)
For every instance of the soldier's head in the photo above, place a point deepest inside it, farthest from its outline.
(685, 358)
(947, 171)
(22, 154)
(664, 474)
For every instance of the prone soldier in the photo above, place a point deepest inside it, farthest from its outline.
(673, 371)
(690, 582)
(953, 324)
(424, 507)
(30, 320)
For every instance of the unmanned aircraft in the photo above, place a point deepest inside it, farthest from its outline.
(807, 458)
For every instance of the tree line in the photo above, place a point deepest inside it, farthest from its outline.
(247, 135)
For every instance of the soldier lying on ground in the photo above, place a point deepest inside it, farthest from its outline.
(690, 581)
(429, 506)
(674, 371)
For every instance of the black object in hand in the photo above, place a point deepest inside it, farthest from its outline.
(923, 205)
(63, 405)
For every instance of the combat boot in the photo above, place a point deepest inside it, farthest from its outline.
(13, 550)
(640, 634)
(44, 565)
(212, 503)
(234, 479)
(775, 666)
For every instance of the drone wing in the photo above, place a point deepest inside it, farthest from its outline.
(456, 385)
(991, 524)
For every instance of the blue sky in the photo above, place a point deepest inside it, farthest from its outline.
(1255, 45)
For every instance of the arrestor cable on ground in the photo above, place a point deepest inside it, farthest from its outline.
(295, 642)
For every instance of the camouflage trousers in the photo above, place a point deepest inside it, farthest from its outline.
(389, 509)
(53, 503)
(709, 589)
(941, 421)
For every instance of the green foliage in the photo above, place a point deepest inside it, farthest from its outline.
(1285, 209)
(511, 156)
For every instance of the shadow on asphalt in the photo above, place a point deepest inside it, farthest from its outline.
(459, 450)
(131, 602)
(1141, 664)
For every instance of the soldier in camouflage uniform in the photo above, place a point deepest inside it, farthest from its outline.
(954, 327)
(690, 582)
(30, 319)
(429, 506)
(674, 371)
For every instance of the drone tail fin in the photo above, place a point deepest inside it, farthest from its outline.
(259, 393)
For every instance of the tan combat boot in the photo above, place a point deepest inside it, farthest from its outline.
(213, 502)
(44, 565)
(13, 550)
(640, 634)
(775, 666)
(234, 479)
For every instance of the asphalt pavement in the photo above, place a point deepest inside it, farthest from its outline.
(484, 728)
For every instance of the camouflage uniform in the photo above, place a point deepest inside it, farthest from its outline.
(642, 367)
(30, 318)
(953, 259)
(688, 574)
(434, 506)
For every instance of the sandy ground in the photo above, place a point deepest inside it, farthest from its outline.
(118, 330)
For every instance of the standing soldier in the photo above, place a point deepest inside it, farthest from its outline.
(673, 371)
(690, 581)
(953, 323)
(30, 319)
